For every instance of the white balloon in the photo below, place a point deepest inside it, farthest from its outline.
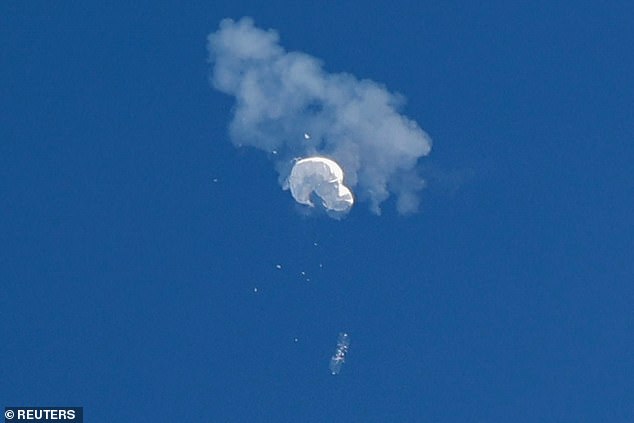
(323, 177)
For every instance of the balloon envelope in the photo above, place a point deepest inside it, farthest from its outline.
(321, 176)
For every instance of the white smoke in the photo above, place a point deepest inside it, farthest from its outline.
(288, 105)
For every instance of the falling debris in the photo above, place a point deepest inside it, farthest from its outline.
(315, 244)
(306, 136)
(322, 177)
(278, 266)
(339, 357)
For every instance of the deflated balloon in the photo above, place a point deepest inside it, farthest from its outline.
(324, 178)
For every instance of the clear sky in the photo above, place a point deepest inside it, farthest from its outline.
(134, 234)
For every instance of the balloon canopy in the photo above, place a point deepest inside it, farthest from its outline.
(324, 178)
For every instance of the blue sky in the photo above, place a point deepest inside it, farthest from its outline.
(128, 273)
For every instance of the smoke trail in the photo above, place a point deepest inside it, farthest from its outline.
(288, 105)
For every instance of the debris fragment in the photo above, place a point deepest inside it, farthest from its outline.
(339, 357)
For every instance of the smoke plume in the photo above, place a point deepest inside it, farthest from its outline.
(289, 106)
